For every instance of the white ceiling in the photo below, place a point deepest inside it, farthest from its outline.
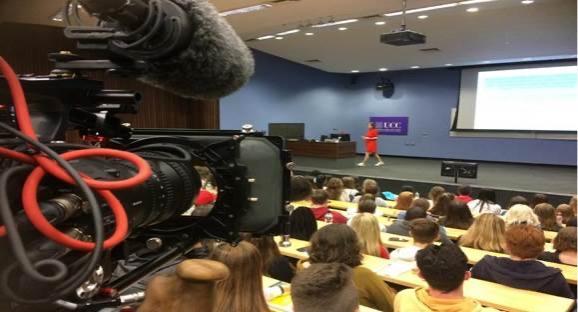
(502, 31)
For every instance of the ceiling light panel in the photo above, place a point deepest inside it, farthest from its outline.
(348, 21)
(245, 10)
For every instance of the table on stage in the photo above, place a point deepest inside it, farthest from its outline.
(333, 155)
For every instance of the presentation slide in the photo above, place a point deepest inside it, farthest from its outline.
(536, 99)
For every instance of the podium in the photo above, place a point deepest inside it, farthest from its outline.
(323, 154)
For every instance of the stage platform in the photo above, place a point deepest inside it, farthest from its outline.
(506, 178)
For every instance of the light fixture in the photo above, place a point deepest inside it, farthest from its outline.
(424, 9)
(486, 62)
(448, 64)
(348, 21)
(473, 2)
(380, 23)
(309, 34)
(355, 71)
(414, 67)
(292, 31)
(266, 37)
(422, 16)
(248, 9)
(342, 28)
(383, 69)
(472, 10)
(279, 38)
(527, 58)
(527, 1)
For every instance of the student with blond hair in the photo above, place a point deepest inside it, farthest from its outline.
(368, 232)
(521, 214)
(486, 233)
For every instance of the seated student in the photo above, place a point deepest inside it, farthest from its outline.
(565, 245)
(401, 227)
(337, 243)
(320, 208)
(334, 190)
(573, 203)
(547, 215)
(403, 201)
(369, 186)
(407, 188)
(521, 214)
(424, 232)
(518, 200)
(368, 233)
(350, 188)
(302, 224)
(434, 193)
(444, 268)
(324, 287)
(538, 199)
(464, 192)
(242, 291)
(301, 189)
(524, 243)
(420, 202)
(564, 214)
(274, 264)
(486, 203)
(440, 208)
(486, 233)
(458, 216)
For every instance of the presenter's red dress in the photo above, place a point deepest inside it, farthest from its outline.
(371, 141)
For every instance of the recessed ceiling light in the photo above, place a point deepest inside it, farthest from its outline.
(342, 28)
(527, 1)
(266, 37)
(309, 34)
(380, 23)
(383, 69)
(422, 16)
(355, 71)
(292, 31)
(472, 10)
(279, 38)
(353, 20)
(431, 8)
(248, 9)
(448, 64)
(414, 67)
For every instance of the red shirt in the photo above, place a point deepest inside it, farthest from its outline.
(320, 212)
(464, 198)
(205, 198)
(371, 140)
(383, 253)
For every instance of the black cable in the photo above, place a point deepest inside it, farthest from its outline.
(96, 254)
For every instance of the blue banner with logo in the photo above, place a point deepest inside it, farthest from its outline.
(391, 125)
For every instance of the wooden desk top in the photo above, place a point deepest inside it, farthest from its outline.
(489, 294)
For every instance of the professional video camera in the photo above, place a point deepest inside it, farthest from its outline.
(60, 241)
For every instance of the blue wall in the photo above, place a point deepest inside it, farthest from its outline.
(283, 91)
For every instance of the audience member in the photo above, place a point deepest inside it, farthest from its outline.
(444, 268)
(547, 215)
(440, 208)
(274, 264)
(368, 232)
(403, 201)
(300, 189)
(334, 190)
(350, 188)
(407, 188)
(524, 243)
(338, 243)
(424, 232)
(367, 204)
(521, 214)
(518, 200)
(564, 214)
(572, 222)
(369, 186)
(302, 224)
(486, 233)
(324, 287)
(319, 179)
(464, 192)
(401, 227)
(565, 245)
(320, 208)
(434, 193)
(242, 291)
(573, 202)
(486, 203)
(539, 199)
(458, 216)
(420, 202)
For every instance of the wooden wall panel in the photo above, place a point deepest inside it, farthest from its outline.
(26, 48)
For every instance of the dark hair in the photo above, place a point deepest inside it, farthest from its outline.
(423, 230)
(441, 206)
(458, 216)
(421, 203)
(366, 205)
(372, 124)
(349, 182)
(300, 188)
(335, 243)
(547, 215)
(572, 222)
(415, 213)
(302, 224)
(407, 188)
(319, 197)
(525, 241)
(324, 287)
(267, 249)
(566, 239)
(464, 189)
(518, 200)
(334, 188)
(487, 195)
(435, 192)
(539, 199)
(443, 267)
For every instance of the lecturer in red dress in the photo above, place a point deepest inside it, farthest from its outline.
(370, 139)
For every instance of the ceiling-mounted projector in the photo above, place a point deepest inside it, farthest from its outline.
(403, 37)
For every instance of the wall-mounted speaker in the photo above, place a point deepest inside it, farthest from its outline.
(386, 86)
